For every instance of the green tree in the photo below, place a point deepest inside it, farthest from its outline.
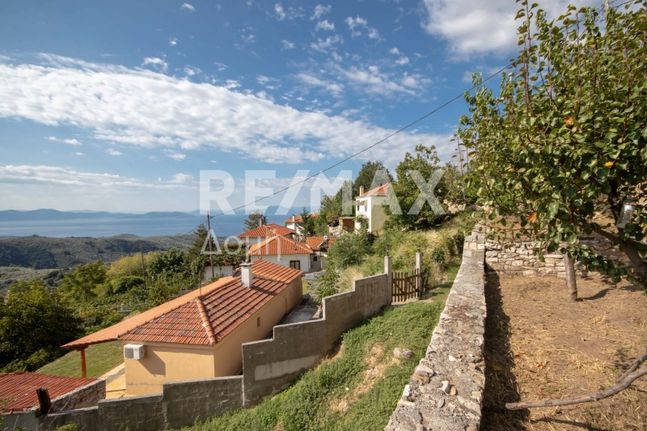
(173, 261)
(254, 220)
(414, 170)
(349, 249)
(371, 174)
(84, 282)
(34, 323)
(307, 223)
(562, 148)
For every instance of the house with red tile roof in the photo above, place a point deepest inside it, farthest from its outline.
(18, 390)
(370, 207)
(201, 337)
(293, 222)
(287, 252)
(264, 232)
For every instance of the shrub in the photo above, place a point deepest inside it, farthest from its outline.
(349, 249)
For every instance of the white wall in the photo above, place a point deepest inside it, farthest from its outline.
(285, 259)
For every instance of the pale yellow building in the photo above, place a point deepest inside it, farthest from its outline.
(200, 334)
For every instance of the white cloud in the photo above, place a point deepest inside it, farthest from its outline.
(152, 110)
(323, 45)
(247, 36)
(220, 66)
(64, 176)
(402, 60)
(156, 63)
(374, 81)
(181, 178)
(173, 41)
(478, 27)
(319, 11)
(175, 155)
(359, 26)
(188, 7)
(313, 81)
(192, 71)
(78, 153)
(69, 141)
(286, 44)
(113, 152)
(281, 12)
(325, 25)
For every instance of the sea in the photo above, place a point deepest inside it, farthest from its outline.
(122, 224)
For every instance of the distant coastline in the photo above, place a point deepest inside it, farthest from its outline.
(63, 224)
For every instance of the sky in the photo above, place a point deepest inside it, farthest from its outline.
(123, 106)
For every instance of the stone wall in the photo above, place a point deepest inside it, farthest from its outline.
(520, 258)
(446, 389)
(268, 366)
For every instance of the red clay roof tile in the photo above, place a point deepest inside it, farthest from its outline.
(266, 231)
(209, 318)
(278, 245)
(18, 390)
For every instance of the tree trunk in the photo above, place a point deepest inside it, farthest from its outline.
(637, 262)
(571, 282)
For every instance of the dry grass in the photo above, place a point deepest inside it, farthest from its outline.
(376, 363)
(539, 345)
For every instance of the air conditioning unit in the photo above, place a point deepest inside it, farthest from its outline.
(134, 351)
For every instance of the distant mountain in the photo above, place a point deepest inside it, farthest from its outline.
(52, 215)
(40, 252)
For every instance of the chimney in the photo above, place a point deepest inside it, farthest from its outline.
(246, 275)
(361, 190)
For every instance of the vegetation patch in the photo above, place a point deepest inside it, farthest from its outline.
(100, 358)
(357, 389)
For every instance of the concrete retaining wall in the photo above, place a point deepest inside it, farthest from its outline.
(446, 389)
(271, 365)
(268, 366)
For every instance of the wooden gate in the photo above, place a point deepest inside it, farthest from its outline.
(406, 285)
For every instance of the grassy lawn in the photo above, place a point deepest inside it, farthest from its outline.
(356, 389)
(100, 358)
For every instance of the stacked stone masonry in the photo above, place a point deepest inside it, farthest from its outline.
(446, 389)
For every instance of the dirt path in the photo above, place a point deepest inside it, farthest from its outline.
(540, 345)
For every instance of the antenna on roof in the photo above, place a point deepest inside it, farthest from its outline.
(213, 273)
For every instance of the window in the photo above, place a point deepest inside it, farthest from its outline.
(314, 258)
(296, 264)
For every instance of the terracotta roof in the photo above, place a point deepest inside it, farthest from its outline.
(299, 219)
(113, 332)
(209, 318)
(278, 245)
(18, 390)
(315, 242)
(377, 191)
(266, 231)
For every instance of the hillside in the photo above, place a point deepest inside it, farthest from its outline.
(39, 252)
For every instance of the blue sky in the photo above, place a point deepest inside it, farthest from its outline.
(119, 105)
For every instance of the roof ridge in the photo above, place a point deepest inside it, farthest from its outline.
(205, 320)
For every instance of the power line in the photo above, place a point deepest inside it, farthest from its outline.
(390, 135)
(375, 144)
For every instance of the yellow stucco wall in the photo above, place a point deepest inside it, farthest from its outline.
(228, 352)
(166, 363)
(176, 362)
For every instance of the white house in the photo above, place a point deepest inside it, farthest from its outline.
(287, 252)
(370, 206)
(263, 232)
(295, 221)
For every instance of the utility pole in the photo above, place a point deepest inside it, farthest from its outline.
(213, 271)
